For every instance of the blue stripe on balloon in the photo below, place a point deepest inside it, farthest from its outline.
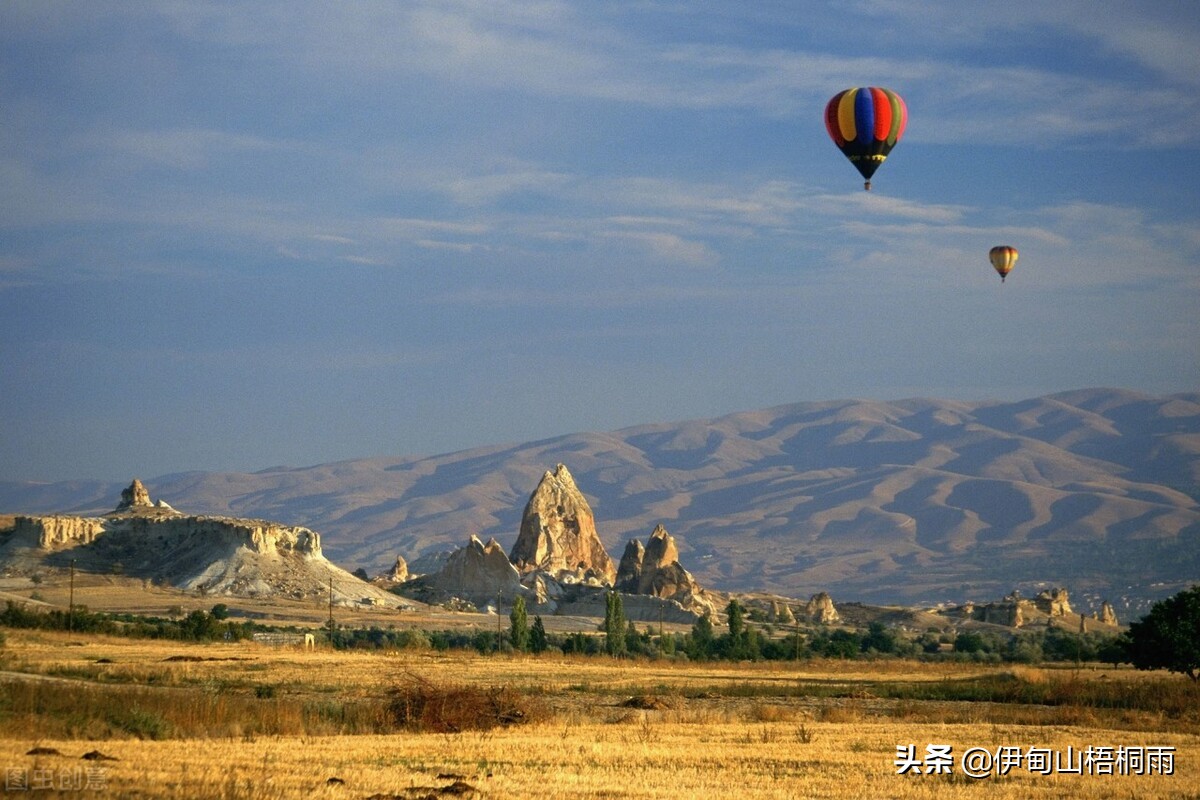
(864, 116)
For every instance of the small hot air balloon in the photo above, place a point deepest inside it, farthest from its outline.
(865, 123)
(1003, 259)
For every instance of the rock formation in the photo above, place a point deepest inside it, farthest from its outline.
(1107, 615)
(586, 601)
(655, 570)
(134, 497)
(544, 592)
(558, 534)
(210, 554)
(629, 571)
(1054, 602)
(1010, 612)
(780, 614)
(476, 572)
(398, 572)
(662, 574)
(820, 609)
(57, 531)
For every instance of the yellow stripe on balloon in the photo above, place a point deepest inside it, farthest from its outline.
(897, 116)
(845, 115)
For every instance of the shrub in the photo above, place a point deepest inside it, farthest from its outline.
(421, 705)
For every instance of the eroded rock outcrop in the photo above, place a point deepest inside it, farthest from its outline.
(209, 554)
(558, 534)
(1013, 611)
(587, 601)
(820, 609)
(779, 613)
(134, 496)
(57, 531)
(655, 570)
(1054, 602)
(1107, 614)
(476, 572)
(399, 571)
(629, 571)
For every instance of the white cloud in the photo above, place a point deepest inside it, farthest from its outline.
(187, 149)
(485, 189)
(459, 247)
(670, 247)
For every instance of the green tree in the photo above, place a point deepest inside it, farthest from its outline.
(837, 644)
(970, 642)
(1169, 636)
(519, 632)
(879, 638)
(702, 639)
(220, 612)
(537, 637)
(738, 645)
(614, 624)
(737, 619)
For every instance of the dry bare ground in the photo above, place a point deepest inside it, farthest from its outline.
(231, 721)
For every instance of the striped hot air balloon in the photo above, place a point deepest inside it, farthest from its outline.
(1003, 259)
(865, 123)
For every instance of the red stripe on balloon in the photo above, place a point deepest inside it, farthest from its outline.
(883, 113)
(831, 120)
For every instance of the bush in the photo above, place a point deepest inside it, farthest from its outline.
(424, 706)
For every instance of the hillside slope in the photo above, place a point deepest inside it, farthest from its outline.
(917, 500)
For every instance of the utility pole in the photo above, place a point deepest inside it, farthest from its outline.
(331, 611)
(71, 601)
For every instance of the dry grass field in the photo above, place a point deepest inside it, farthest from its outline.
(245, 720)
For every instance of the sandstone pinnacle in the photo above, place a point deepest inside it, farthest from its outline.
(135, 496)
(558, 532)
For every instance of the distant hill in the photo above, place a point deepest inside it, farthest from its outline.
(913, 501)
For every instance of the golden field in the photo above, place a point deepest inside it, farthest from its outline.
(244, 720)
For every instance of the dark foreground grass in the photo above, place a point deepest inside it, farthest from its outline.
(1167, 703)
(73, 710)
(60, 710)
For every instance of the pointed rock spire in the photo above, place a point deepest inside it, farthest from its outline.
(135, 496)
(558, 532)
(629, 572)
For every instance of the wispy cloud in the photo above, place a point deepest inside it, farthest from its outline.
(186, 149)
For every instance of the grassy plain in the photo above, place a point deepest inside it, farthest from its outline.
(244, 720)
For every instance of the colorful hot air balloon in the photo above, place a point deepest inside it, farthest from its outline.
(1003, 259)
(865, 123)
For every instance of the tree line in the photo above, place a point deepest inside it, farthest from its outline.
(1168, 637)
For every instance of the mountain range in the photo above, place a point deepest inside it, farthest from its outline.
(914, 501)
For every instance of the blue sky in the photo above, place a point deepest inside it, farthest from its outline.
(238, 235)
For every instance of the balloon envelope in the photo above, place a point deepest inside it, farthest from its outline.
(865, 123)
(1003, 259)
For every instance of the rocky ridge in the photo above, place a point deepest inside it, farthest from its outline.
(559, 565)
(210, 554)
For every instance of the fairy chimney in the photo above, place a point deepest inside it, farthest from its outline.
(558, 533)
(135, 496)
